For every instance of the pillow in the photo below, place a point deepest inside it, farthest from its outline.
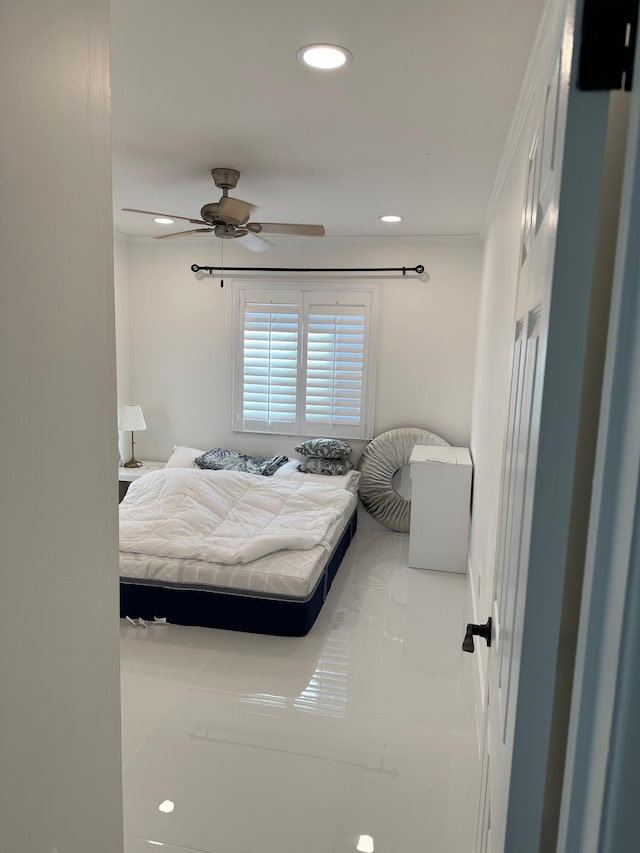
(290, 467)
(327, 448)
(183, 457)
(318, 465)
(218, 459)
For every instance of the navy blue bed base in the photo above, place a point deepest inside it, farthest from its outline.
(217, 608)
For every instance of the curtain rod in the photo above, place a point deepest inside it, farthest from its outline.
(419, 270)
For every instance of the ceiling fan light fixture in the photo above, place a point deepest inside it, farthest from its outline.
(390, 218)
(324, 56)
(164, 220)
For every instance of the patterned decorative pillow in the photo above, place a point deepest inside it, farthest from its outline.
(325, 448)
(321, 465)
(218, 459)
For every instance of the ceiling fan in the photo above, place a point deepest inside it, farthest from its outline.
(228, 218)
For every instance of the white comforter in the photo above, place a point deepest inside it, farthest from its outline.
(225, 516)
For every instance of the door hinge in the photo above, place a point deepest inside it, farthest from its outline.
(607, 46)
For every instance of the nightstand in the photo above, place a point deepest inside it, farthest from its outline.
(128, 475)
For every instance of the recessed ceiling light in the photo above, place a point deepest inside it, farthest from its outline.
(365, 844)
(390, 218)
(325, 56)
(166, 806)
(164, 220)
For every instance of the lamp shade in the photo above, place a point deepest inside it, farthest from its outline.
(132, 419)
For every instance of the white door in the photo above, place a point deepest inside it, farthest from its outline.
(560, 220)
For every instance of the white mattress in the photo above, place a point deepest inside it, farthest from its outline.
(282, 574)
(348, 481)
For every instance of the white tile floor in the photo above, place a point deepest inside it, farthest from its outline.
(358, 737)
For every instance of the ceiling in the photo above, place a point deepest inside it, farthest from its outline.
(414, 125)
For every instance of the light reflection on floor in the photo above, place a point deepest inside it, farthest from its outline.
(359, 736)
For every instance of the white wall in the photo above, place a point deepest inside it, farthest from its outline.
(60, 778)
(121, 292)
(181, 337)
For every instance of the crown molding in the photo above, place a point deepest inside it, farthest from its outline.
(400, 238)
(338, 240)
(551, 14)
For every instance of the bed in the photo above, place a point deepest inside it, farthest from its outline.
(226, 549)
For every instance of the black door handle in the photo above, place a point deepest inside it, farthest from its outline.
(480, 631)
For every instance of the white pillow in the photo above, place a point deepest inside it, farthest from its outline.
(288, 468)
(183, 457)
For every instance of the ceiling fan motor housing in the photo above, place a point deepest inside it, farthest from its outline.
(213, 214)
(227, 232)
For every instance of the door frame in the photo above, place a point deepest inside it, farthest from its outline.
(598, 809)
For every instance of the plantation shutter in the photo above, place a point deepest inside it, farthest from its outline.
(304, 360)
(270, 356)
(336, 363)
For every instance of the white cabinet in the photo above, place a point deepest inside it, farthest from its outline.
(440, 507)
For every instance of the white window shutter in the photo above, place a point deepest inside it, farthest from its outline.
(269, 364)
(336, 356)
(305, 361)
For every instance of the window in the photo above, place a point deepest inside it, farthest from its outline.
(305, 360)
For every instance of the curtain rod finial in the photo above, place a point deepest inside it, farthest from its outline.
(422, 274)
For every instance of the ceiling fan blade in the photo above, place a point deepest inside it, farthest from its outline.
(167, 215)
(284, 228)
(234, 209)
(253, 242)
(180, 233)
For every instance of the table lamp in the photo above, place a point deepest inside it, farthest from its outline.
(132, 419)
